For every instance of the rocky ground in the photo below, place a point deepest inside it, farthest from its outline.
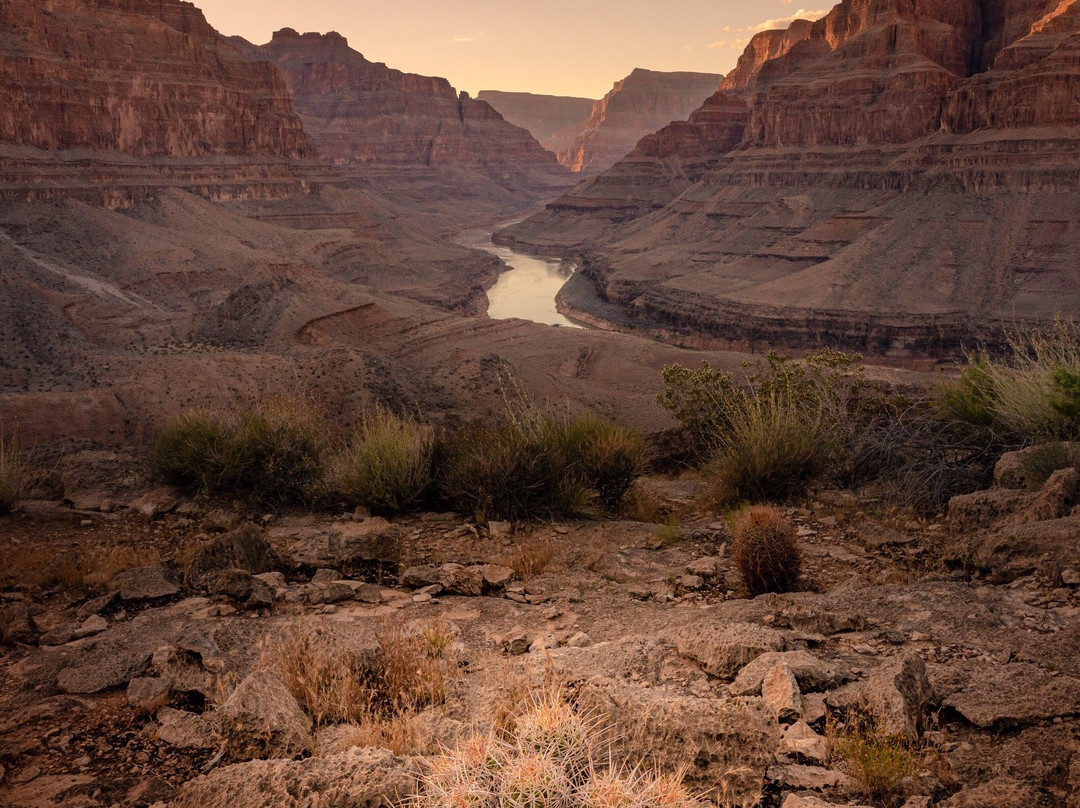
(145, 686)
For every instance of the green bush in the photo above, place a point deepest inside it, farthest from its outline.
(1031, 394)
(605, 457)
(1040, 462)
(793, 422)
(765, 550)
(536, 466)
(388, 465)
(271, 454)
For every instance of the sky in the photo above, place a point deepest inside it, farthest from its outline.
(555, 47)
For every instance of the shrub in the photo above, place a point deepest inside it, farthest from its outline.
(792, 424)
(766, 552)
(535, 466)
(272, 454)
(605, 457)
(388, 466)
(877, 762)
(14, 474)
(1040, 462)
(531, 558)
(1030, 394)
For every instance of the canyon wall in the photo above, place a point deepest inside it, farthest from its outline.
(639, 104)
(542, 115)
(363, 115)
(108, 99)
(901, 178)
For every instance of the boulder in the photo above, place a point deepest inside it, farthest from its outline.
(155, 503)
(1057, 496)
(897, 695)
(16, 624)
(496, 576)
(457, 579)
(147, 583)
(780, 691)
(1016, 550)
(709, 738)
(1003, 696)
(800, 741)
(234, 583)
(515, 642)
(811, 673)
(187, 730)
(349, 546)
(810, 778)
(1011, 469)
(722, 649)
(262, 716)
(244, 548)
(357, 778)
(147, 694)
(94, 624)
(982, 509)
(104, 667)
(999, 793)
(325, 577)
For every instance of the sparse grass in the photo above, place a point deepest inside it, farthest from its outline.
(641, 504)
(669, 533)
(529, 558)
(92, 569)
(388, 465)
(378, 694)
(766, 552)
(877, 762)
(271, 454)
(15, 478)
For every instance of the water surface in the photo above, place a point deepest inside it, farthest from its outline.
(527, 290)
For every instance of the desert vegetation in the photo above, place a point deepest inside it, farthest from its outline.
(765, 550)
(14, 473)
(792, 425)
(549, 755)
(529, 465)
(272, 453)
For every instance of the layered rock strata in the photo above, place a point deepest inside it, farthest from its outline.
(106, 100)
(364, 116)
(639, 104)
(894, 178)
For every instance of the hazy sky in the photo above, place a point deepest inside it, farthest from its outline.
(561, 47)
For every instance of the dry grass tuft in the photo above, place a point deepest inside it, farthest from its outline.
(15, 477)
(92, 569)
(528, 559)
(380, 693)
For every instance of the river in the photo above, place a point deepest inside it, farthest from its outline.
(527, 290)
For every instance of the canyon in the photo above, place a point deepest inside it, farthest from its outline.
(636, 106)
(179, 229)
(897, 179)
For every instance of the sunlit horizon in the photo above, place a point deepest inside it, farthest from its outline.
(559, 48)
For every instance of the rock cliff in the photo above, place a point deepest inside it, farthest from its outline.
(542, 115)
(90, 84)
(639, 104)
(363, 115)
(899, 178)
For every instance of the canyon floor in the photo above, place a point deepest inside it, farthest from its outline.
(118, 688)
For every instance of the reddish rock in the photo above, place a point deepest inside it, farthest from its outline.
(902, 182)
(637, 105)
